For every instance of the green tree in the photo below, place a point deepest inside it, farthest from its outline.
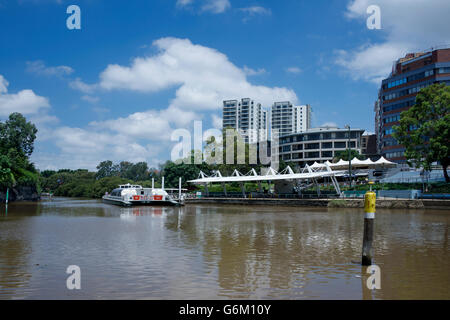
(16, 145)
(6, 174)
(138, 172)
(424, 129)
(124, 169)
(18, 134)
(344, 155)
(106, 169)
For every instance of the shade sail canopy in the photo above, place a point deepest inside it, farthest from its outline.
(269, 177)
(382, 162)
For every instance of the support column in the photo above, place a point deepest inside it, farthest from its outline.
(243, 189)
(206, 190)
(224, 189)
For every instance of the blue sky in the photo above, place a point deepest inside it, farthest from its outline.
(137, 70)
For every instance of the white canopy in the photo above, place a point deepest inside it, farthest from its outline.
(317, 170)
(384, 163)
(356, 163)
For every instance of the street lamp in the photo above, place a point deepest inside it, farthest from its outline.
(349, 157)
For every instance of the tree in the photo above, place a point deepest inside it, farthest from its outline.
(138, 172)
(424, 129)
(344, 155)
(16, 145)
(124, 169)
(16, 133)
(172, 172)
(6, 175)
(106, 169)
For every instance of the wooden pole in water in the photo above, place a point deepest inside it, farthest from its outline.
(369, 219)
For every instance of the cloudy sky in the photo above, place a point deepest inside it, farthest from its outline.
(138, 70)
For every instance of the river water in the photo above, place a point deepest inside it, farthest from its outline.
(218, 252)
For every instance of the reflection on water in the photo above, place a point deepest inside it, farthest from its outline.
(215, 252)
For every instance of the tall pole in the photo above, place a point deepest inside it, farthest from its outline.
(162, 184)
(179, 189)
(153, 183)
(7, 195)
(369, 218)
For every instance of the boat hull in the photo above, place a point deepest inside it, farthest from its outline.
(140, 203)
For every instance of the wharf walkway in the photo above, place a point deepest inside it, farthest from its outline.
(332, 203)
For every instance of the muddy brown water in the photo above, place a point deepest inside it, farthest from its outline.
(218, 252)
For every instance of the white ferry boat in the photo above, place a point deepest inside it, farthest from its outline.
(129, 195)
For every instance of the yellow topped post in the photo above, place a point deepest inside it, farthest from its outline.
(369, 217)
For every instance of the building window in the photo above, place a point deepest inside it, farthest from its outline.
(340, 145)
(312, 155)
(310, 146)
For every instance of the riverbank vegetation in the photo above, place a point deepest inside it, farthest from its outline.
(16, 146)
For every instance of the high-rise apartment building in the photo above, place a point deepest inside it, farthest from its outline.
(247, 117)
(290, 119)
(398, 93)
(302, 118)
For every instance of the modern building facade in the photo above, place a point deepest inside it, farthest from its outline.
(318, 145)
(247, 117)
(369, 146)
(288, 119)
(398, 93)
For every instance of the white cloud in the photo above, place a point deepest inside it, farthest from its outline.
(370, 62)
(217, 122)
(254, 72)
(407, 25)
(38, 67)
(3, 85)
(79, 85)
(294, 70)
(25, 101)
(330, 124)
(204, 77)
(216, 6)
(212, 6)
(147, 124)
(255, 11)
(90, 99)
(85, 148)
(183, 3)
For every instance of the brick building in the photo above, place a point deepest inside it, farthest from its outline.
(398, 93)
